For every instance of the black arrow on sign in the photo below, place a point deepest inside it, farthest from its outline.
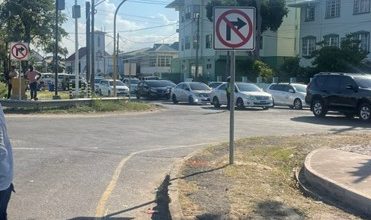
(20, 50)
(238, 24)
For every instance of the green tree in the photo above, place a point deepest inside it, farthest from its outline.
(263, 70)
(270, 13)
(334, 59)
(29, 21)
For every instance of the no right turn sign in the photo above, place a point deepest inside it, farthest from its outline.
(234, 28)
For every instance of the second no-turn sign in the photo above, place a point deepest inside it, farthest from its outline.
(234, 28)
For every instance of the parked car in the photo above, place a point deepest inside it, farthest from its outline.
(213, 85)
(106, 88)
(154, 89)
(292, 95)
(349, 94)
(246, 95)
(97, 81)
(46, 80)
(191, 92)
(132, 83)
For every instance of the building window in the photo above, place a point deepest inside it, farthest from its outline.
(361, 6)
(309, 13)
(331, 40)
(332, 8)
(208, 66)
(152, 61)
(195, 42)
(364, 38)
(309, 45)
(208, 42)
(188, 12)
(187, 45)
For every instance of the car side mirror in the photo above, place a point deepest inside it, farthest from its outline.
(350, 87)
(291, 91)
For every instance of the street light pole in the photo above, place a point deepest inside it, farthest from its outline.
(114, 49)
(56, 52)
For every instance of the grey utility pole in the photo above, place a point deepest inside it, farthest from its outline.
(76, 13)
(88, 56)
(92, 74)
(59, 5)
(197, 44)
(114, 49)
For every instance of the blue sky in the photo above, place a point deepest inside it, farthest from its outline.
(133, 16)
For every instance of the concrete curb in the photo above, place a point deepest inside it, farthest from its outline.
(174, 205)
(354, 199)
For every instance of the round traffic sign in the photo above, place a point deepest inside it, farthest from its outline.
(243, 37)
(19, 51)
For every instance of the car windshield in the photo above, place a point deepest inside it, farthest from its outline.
(300, 88)
(199, 86)
(133, 81)
(247, 87)
(363, 81)
(160, 83)
(118, 83)
(97, 80)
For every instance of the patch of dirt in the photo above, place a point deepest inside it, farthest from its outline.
(261, 184)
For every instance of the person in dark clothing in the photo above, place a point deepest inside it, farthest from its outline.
(12, 74)
(228, 92)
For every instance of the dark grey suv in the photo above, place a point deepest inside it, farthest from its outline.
(347, 93)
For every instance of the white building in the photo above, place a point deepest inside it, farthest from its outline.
(150, 61)
(194, 26)
(103, 60)
(330, 21)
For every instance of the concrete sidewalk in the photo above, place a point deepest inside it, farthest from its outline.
(342, 175)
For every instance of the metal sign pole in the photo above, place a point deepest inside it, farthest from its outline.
(20, 81)
(231, 106)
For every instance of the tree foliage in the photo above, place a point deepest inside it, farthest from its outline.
(263, 70)
(346, 58)
(30, 21)
(272, 11)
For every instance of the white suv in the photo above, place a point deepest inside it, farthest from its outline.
(288, 94)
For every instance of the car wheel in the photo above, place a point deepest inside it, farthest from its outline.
(364, 112)
(318, 108)
(175, 101)
(240, 104)
(216, 102)
(191, 100)
(298, 104)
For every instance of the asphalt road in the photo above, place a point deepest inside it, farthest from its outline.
(87, 166)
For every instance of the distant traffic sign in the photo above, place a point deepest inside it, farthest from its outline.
(234, 28)
(19, 51)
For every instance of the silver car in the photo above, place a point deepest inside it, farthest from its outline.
(246, 95)
(191, 92)
(288, 94)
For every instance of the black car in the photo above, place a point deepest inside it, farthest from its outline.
(154, 89)
(347, 93)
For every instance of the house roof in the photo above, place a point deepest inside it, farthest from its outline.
(301, 3)
(162, 48)
(82, 53)
(175, 4)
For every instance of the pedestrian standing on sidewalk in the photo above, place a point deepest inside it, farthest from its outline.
(13, 73)
(33, 76)
(6, 167)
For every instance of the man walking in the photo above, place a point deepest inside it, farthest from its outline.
(6, 167)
